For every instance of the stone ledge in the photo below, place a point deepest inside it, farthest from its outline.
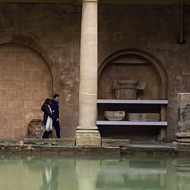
(183, 140)
(9, 142)
(182, 134)
(10, 148)
(72, 150)
(115, 142)
(147, 151)
(181, 146)
(53, 142)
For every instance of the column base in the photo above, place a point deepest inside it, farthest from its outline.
(88, 138)
(182, 147)
(182, 141)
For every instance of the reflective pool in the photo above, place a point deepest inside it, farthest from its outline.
(63, 173)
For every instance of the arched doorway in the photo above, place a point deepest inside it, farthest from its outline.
(25, 81)
(132, 65)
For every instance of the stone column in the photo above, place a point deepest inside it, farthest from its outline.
(87, 132)
(182, 137)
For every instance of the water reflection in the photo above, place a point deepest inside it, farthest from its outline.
(60, 173)
(50, 176)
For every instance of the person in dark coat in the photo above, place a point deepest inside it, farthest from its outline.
(48, 112)
(55, 108)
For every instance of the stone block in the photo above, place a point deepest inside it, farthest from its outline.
(63, 141)
(179, 146)
(3, 86)
(9, 142)
(16, 104)
(19, 132)
(88, 138)
(3, 104)
(32, 104)
(51, 141)
(115, 142)
(183, 134)
(15, 85)
(183, 140)
(143, 116)
(124, 84)
(127, 89)
(37, 141)
(184, 97)
(128, 94)
(114, 115)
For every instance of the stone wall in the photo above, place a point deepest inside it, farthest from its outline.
(153, 29)
(48, 35)
(51, 33)
(25, 80)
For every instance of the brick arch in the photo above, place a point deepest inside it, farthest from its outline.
(25, 81)
(155, 63)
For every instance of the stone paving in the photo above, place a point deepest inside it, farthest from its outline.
(67, 147)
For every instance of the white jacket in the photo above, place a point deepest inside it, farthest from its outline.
(49, 123)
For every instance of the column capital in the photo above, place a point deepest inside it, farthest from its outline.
(95, 1)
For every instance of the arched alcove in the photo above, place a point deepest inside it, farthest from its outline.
(25, 81)
(132, 64)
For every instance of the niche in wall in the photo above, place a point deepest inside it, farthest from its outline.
(131, 65)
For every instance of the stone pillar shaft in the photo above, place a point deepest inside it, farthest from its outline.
(88, 66)
(87, 132)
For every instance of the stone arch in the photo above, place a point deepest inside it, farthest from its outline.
(25, 81)
(155, 63)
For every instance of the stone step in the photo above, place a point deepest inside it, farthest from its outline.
(183, 140)
(183, 134)
(115, 142)
(9, 142)
(53, 141)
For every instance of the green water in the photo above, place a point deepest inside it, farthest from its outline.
(63, 173)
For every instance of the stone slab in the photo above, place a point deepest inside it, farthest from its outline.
(179, 146)
(37, 141)
(53, 141)
(71, 150)
(129, 94)
(5, 148)
(183, 140)
(115, 142)
(63, 142)
(183, 134)
(144, 150)
(9, 142)
(88, 138)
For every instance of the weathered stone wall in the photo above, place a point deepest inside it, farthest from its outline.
(25, 80)
(53, 32)
(153, 29)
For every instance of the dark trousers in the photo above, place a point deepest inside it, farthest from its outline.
(57, 128)
(46, 134)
